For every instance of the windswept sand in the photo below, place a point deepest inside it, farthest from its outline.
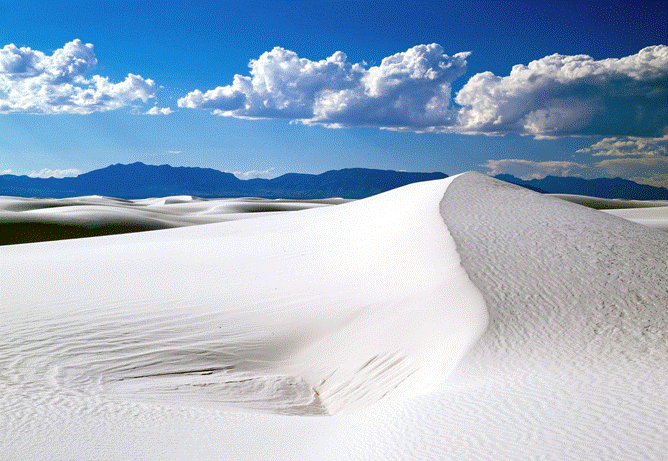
(508, 326)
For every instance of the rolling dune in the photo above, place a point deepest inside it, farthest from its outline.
(462, 318)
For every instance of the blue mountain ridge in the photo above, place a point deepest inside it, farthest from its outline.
(610, 188)
(138, 180)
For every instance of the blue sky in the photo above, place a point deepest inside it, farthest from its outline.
(420, 86)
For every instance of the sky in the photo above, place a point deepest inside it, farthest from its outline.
(263, 88)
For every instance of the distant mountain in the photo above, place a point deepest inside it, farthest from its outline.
(601, 187)
(138, 180)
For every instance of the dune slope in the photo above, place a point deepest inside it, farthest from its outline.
(526, 327)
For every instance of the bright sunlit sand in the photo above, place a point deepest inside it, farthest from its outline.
(463, 318)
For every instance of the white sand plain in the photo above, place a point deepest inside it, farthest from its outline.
(463, 318)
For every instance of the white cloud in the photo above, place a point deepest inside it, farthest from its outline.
(8, 171)
(155, 110)
(173, 151)
(626, 147)
(32, 82)
(409, 90)
(572, 95)
(48, 173)
(553, 96)
(251, 174)
(529, 169)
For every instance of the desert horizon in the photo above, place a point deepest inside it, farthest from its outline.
(334, 230)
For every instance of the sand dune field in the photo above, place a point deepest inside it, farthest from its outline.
(458, 319)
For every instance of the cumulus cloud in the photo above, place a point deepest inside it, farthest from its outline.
(409, 90)
(528, 169)
(33, 82)
(553, 96)
(626, 147)
(571, 95)
(48, 173)
(155, 110)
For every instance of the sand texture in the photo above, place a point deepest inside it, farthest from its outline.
(463, 318)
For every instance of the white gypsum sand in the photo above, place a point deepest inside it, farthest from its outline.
(110, 347)
(27, 220)
(650, 213)
(655, 217)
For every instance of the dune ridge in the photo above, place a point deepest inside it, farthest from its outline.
(288, 314)
(457, 319)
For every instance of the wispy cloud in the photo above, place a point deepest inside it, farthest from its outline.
(626, 167)
(49, 173)
(252, 173)
(529, 169)
(33, 82)
(628, 147)
(656, 180)
(553, 96)
(644, 160)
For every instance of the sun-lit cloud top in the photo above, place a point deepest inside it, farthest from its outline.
(33, 82)
(553, 96)
(409, 90)
(572, 95)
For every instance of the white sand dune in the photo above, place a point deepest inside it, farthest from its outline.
(650, 213)
(655, 217)
(510, 325)
(27, 220)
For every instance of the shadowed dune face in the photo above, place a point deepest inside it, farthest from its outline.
(30, 232)
(29, 220)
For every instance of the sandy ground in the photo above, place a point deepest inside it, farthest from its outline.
(457, 319)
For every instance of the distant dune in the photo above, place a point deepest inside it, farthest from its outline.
(462, 318)
(27, 220)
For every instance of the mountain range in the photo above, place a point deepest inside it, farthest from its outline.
(138, 180)
(600, 187)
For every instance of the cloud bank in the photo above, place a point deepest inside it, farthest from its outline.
(529, 169)
(32, 82)
(409, 90)
(572, 95)
(629, 147)
(644, 160)
(553, 96)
